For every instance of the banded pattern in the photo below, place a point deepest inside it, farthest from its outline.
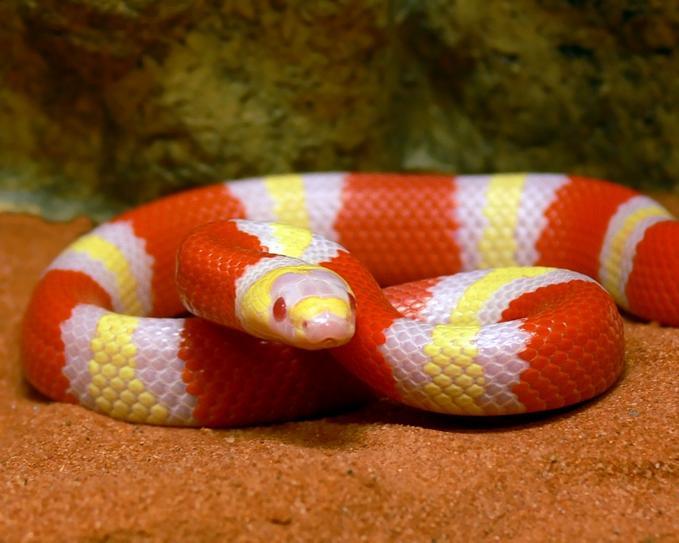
(473, 367)
(98, 329)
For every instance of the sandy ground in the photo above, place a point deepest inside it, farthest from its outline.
(603, 471)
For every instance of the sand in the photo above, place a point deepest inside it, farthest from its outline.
(602, 471)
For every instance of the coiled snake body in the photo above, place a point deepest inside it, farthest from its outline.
(102, 328)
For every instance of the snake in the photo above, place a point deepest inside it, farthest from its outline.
(281, 297)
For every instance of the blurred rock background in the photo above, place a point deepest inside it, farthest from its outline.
(107, 103)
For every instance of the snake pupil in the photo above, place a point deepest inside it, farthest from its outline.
(279, 309)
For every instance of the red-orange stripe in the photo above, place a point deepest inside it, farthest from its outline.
(219, 254)
(653, 286)
(576, 346)
(374, 316)
(410, 299)
(165, 222)
(400, 226)
(576, 224)
(239, 380)
(52, 302)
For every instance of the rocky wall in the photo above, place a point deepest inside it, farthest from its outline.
(106, 103)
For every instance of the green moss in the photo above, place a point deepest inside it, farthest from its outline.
(125, 100)
(585, 87)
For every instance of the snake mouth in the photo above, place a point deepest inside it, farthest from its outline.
(327, 330)
(323, 322)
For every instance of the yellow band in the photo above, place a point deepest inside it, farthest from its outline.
(497, 246)
(115, 388)
(289, 197)
(112, 258)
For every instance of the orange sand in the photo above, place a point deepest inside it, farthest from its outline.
(603, 471)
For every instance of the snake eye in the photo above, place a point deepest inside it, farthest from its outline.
(279, 309)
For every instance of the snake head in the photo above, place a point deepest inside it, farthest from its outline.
(309, 307)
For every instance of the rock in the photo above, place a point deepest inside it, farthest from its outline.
(559, 85)
(107, 103)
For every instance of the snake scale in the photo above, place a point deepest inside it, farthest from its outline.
(469, 295)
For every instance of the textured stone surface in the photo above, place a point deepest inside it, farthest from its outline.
(565, 85)
(108, 103)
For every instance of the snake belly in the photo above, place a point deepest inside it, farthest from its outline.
(102, 329)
